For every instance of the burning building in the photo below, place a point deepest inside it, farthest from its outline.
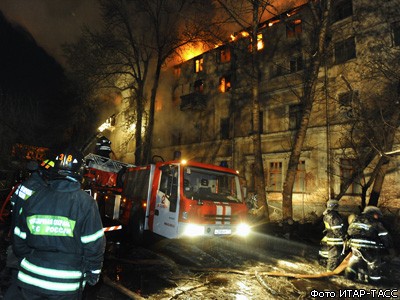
(205, 109)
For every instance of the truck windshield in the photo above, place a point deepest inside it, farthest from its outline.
(205, 184)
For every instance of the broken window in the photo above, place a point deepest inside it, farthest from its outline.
(396, 33)
(294, 28)
(225, 84)
(224, 128)
(260, 43)
(300, 180)
(345, 50)
(346, 101)
(296, 64)
(347, 169)
(295, 112)
(199, 86)
(342, 9)
(275, 177)
(224, 54)
(198, 65)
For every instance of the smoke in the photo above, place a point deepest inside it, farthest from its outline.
(52, 22)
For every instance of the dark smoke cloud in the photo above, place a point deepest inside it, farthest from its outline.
(52, 22)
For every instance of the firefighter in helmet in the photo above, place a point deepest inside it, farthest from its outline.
(369, 240)
(23, 192)
(59, 236)
(103, 146)
(333, 244)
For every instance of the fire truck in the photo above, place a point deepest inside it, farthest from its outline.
(173, 199)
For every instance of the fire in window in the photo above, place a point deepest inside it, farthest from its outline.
(294, 28)
(198, 65)
(225, 84)
(260, 42)
(224, 54)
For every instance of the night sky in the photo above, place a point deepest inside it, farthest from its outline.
(52, 22)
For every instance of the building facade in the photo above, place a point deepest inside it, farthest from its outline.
(204, 105)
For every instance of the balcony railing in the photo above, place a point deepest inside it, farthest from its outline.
(193, 101)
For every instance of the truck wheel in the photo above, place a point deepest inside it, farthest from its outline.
(137, 232)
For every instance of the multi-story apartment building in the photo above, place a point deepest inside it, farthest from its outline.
(204, 106)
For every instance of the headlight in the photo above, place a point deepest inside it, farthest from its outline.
(194, 230)
(243, 229)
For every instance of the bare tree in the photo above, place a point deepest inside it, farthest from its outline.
(321, 13)
(128, 54)
(375, 118)
(248, 15)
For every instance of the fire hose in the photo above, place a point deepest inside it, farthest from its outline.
(339, 269)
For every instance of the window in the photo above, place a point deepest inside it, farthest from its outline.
(347, 168)
(293, 28)
(275, 177)
(345, 50)
(260, 42)
(300, 180)
(177, 71)
(199, 86)
(225, 84)
(224, 54)
(295, 112)
(346, 101)
(296, 64)
(224, 128)
(396, 33)
(342, 9)
(198, 65)
(176, 138)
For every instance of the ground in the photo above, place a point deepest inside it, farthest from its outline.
(228, 268)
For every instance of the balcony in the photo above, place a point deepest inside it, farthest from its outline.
(193, 101)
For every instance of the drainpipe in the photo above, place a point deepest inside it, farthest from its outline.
(328, 140)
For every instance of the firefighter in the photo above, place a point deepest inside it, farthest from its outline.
(369, 240)
(59, 236)
(22, 194)
(103, 146)
(333, 244)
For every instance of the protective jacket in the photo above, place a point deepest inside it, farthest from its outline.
(103, 147)
(23, 192)
(335, 229)
(365, 232)
(59, 236)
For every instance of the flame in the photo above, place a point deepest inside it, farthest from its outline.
(190, 51)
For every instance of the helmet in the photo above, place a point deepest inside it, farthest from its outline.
(68, 164)
(46, 168)
(371, 210)
(332, 205)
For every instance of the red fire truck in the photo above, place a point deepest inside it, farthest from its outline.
(173, 199)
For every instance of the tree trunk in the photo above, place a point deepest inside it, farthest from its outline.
(391, 132)
(259, 176)
(150, 126)
(308, 101)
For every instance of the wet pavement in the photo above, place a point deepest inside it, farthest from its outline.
(224, 268)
